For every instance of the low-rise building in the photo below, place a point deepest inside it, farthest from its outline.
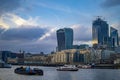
(72, 56)
(106, 55)
(35, 58)
(115, 58)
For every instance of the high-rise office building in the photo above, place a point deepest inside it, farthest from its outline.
(4, 55)
(64, 38)
(100, 32)
(114, 37)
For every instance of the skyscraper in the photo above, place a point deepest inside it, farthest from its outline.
(100, 32)
(64, 38)
(114, 37)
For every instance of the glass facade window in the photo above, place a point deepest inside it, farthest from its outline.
(64, 39)
(100, 32)
(114, 37)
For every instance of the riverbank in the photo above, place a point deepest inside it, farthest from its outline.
(97, 66)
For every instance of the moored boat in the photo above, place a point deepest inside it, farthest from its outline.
(28, 71)
(67, 68)
(84, 66)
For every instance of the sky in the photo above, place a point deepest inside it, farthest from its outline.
(30, 25)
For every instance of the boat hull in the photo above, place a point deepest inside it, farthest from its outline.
(33, 72)
(67, 69)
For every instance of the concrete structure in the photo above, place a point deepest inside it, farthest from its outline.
(117, 49)
(95, 55)
(72, 56)
(64, 39)
(106, 55)
(35, 58)
(115, 58)
(100, 32)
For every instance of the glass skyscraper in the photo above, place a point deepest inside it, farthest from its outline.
(114, 37)
(100, 32)
(64, 38)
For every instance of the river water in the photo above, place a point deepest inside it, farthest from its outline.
(50, 73)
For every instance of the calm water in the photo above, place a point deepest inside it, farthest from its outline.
(50, 73)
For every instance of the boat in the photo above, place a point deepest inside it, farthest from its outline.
(84, 66)
(67, 68)
(28, 71)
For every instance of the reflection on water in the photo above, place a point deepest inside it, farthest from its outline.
(50, 73)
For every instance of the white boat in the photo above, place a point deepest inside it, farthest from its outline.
(84, 66)
(67, 68)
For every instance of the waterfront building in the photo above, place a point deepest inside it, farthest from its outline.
(35, 58)
(64, 39)
(20, 58)
(95, 55)
(85, 56)
(115, 58)
(100, 32)
(63, 57)
(117, 49)
(4, 55)
(105, 56)
(72, 56)
(114, 37)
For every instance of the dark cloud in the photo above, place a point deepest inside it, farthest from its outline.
(28, 46)
(9, 5)
(22, 34)
(1, 30)
(82, 33)
(46, 45)
(111, 3)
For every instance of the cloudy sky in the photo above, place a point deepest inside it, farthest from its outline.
(31, 25)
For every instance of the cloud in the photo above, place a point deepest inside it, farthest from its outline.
(22, 34)
(14, 21)
(27, 39)
(9, 5)
(48, 34)
(111, 3)
(82, 33)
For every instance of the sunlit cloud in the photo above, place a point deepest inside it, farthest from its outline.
(14, 21)
(47, 34)
(3, 24)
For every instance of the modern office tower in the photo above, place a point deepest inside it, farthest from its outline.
(4, 55)
(100, 32)
(114, 37)
(64, 38)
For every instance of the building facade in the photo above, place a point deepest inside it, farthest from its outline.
(72, 56)
(4, 55)
(100, 32)
(114, 37)
(64, 39)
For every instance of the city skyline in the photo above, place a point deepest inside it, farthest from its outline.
(31, 25)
